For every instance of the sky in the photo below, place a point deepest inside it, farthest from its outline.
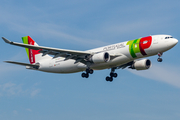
(152, 94)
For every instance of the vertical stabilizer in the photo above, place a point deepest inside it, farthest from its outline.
(33, 55)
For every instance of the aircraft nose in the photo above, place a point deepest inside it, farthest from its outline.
(174, 41)
(171, 43)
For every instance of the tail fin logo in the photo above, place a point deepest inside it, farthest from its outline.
(30, 52)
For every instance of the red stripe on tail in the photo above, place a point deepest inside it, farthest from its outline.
(32, 52)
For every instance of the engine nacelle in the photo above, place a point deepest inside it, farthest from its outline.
(142, 64)
(100, 57)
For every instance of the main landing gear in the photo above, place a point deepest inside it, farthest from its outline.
(112, 74)
(108, 78)
(160, 59)
(88, 71)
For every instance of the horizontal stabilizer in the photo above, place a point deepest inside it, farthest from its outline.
(23, 64)
(6, 40)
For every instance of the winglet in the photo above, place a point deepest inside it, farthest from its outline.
(6, 40)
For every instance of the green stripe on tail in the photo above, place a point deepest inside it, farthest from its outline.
(25, 41)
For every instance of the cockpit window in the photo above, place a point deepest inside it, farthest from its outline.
(168, 37)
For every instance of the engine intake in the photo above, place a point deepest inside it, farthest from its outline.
(142, 64)
(100, 57)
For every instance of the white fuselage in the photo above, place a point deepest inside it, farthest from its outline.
(121, 51)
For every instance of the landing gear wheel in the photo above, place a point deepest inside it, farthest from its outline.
(109, 79)
(87, 75)
(87, 70)
(91, 71)
(83, 75)
(113, 75)
(159, 60)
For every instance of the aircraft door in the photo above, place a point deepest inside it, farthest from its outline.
(51, 64)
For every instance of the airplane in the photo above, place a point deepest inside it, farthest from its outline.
(116, 56)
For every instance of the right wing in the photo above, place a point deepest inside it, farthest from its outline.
(42, 48)
(78, 56)
(68, 54)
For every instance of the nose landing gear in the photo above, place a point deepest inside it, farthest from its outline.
(160, 59)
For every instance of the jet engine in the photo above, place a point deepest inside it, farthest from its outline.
(100, 57)
(141, 64)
